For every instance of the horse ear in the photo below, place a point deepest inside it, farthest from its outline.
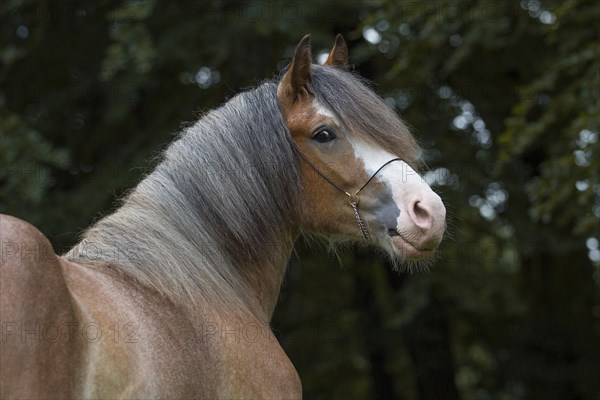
(338, 56)
(295, 83)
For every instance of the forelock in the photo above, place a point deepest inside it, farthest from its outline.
(362, 111)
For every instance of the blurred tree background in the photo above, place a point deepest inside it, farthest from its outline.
(504, 96)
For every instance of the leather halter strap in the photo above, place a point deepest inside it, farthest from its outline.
(353, 198)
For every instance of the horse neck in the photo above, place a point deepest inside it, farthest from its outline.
(212, 224)
(247, 288)
(254, 277)
(264, 277)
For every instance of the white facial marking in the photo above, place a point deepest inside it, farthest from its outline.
(399, 176)
(408, 188)
(322, 110)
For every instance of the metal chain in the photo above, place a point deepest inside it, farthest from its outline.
(359, 221)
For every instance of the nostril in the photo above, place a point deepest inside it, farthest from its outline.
(422, 217)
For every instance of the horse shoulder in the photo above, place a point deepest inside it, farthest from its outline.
(254, 365)
(135, 343)
(140, 344)
(35, 312)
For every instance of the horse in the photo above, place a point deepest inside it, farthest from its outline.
(172, 294)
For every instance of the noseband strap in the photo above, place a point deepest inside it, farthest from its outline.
(353, 198)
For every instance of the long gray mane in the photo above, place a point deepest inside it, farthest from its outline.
(226, 190)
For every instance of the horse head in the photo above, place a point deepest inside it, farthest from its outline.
(357, 159)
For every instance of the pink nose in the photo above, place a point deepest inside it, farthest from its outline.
(428, 215)
(421, 215)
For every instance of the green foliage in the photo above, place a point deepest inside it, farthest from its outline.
(561, 108)
(27, 163)
(504, 97)
(132, 47)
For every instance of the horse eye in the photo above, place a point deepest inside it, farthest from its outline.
(324, 136)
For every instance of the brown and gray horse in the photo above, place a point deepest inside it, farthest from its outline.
(171, 295)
